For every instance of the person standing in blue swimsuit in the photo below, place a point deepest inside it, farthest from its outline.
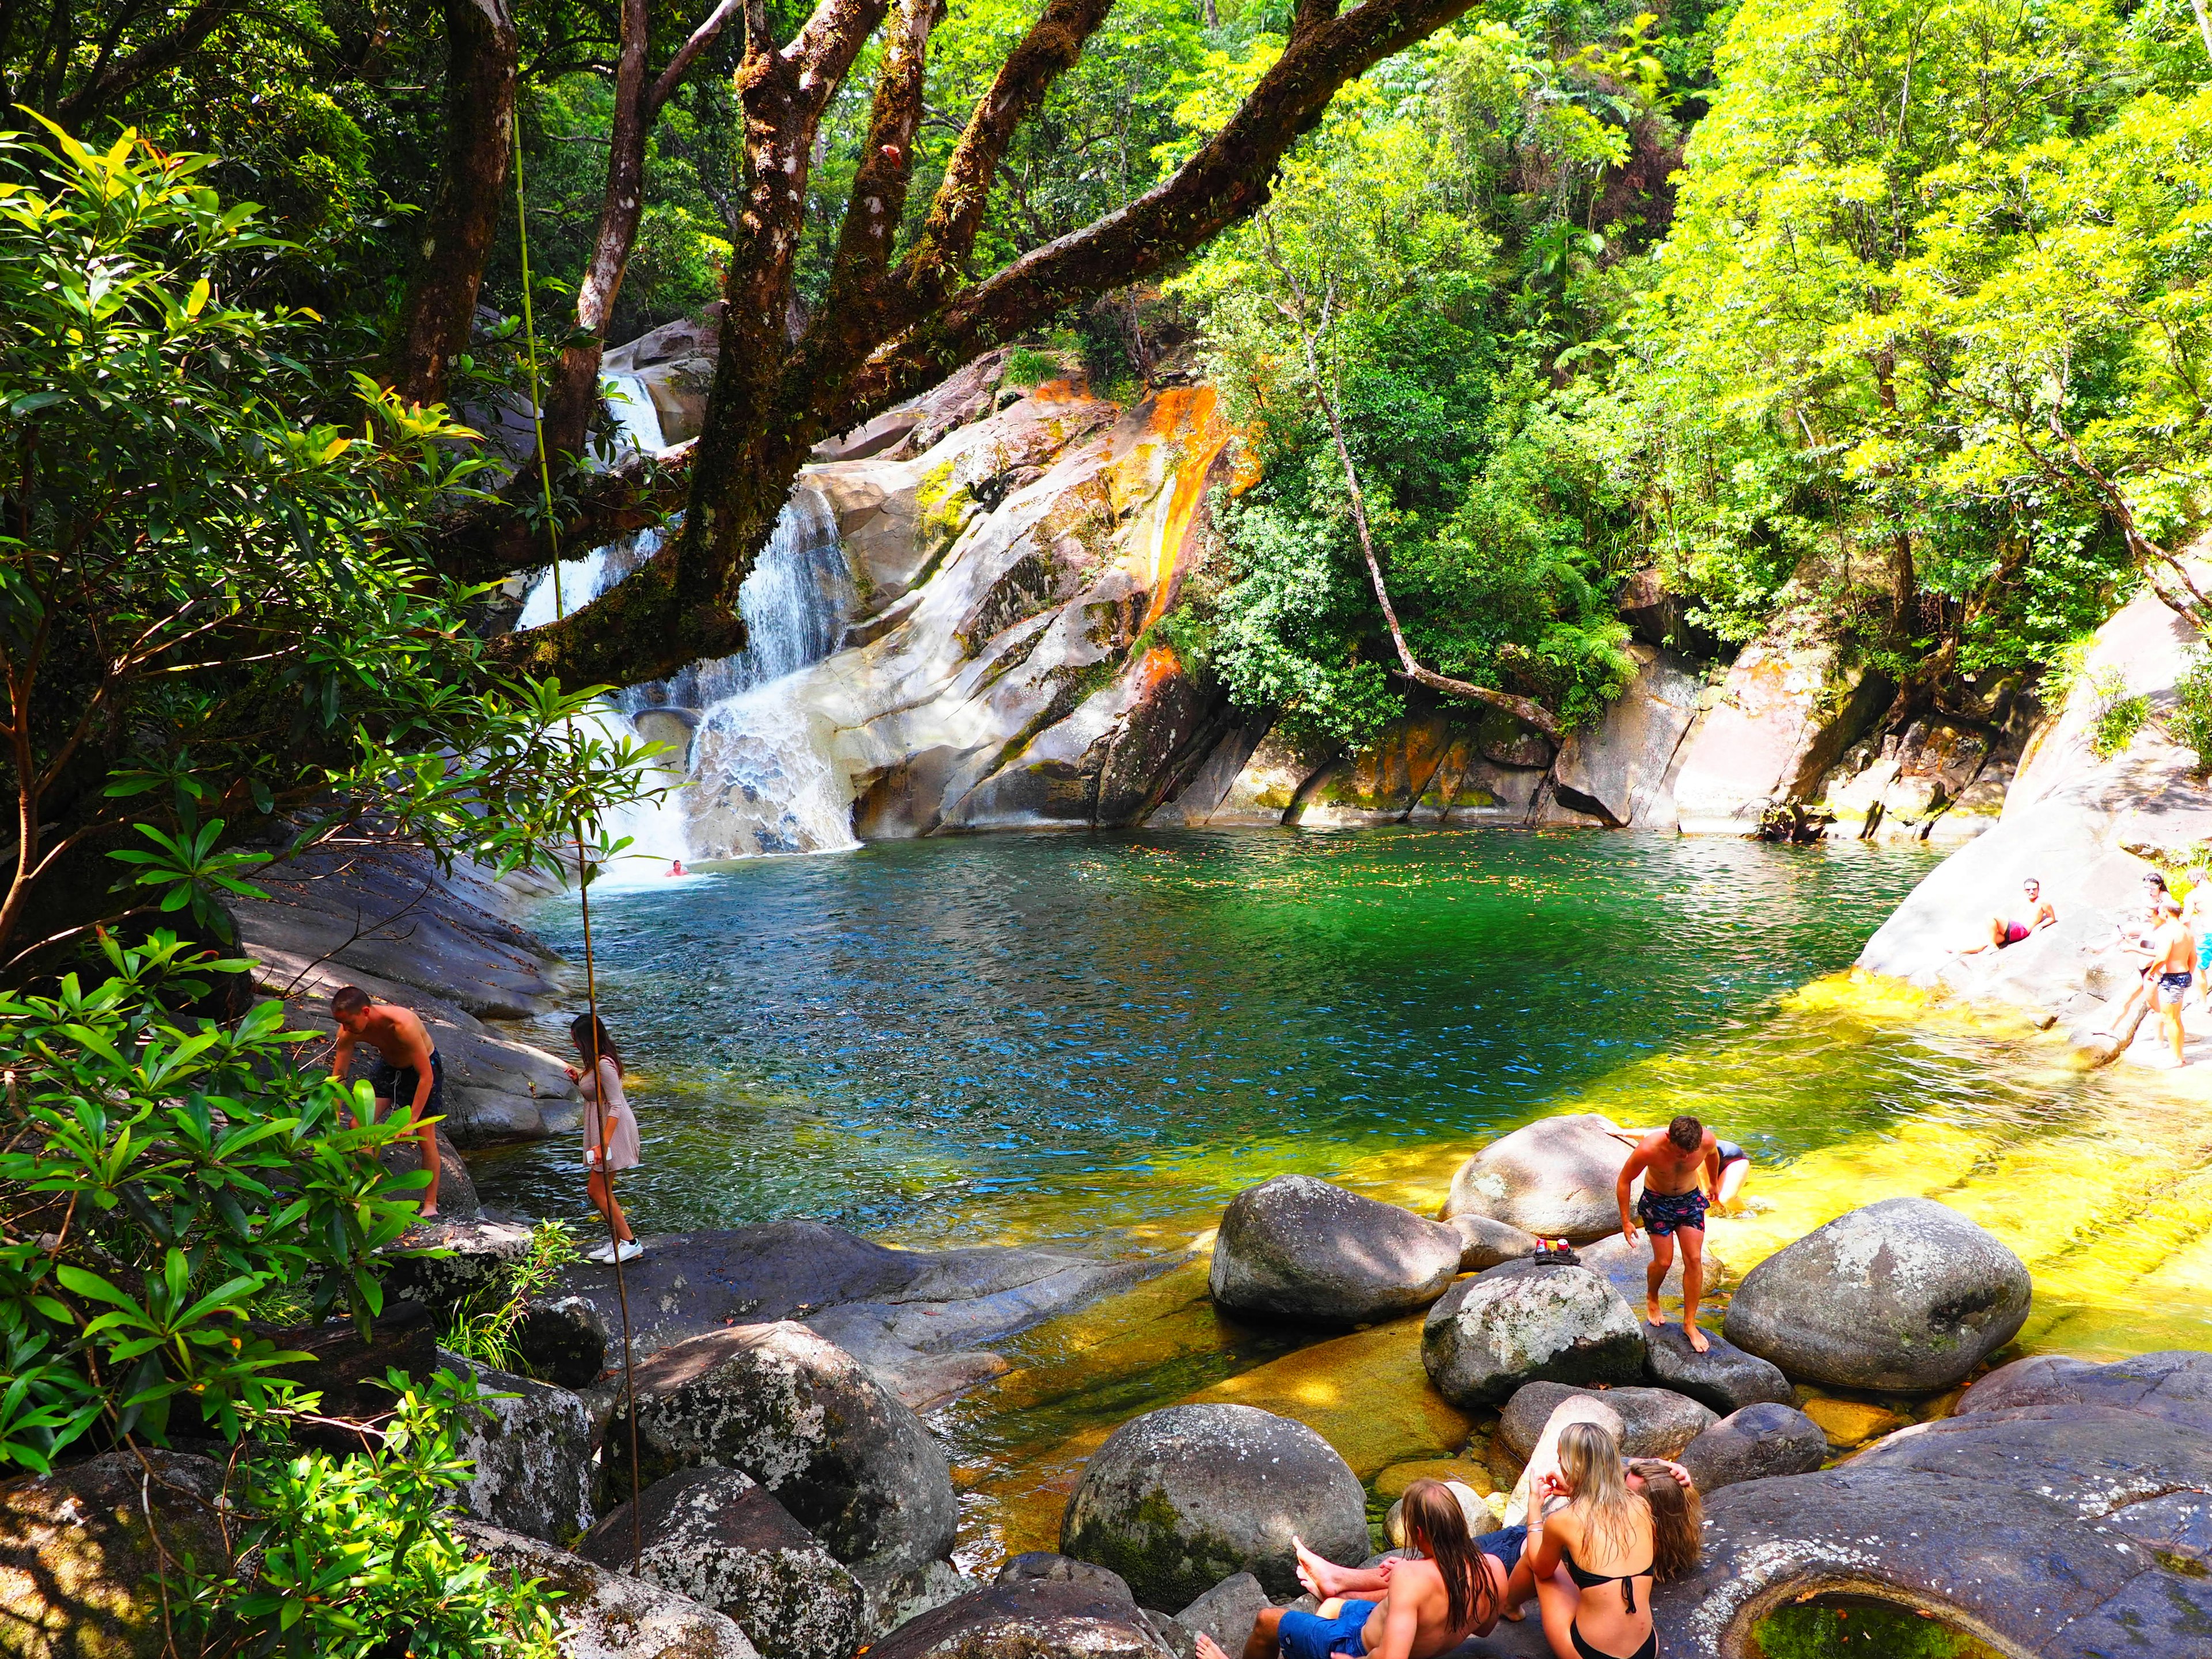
(1679, 1164)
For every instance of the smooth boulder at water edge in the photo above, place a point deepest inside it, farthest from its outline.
(1760, 1440)
(797, 1414)
(1554, 1178)
(1906, 1295)
(717, 1537)
(1654, 1422)
(1298, 1248)
(1177, 1500)
(1518, 1324)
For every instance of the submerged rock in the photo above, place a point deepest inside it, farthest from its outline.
(1028, 1619)
(533, 1453)
(1554, 1177)
(1295, 1247)
(1177, 1500)
(1903, 1296)
(1654, 1422)
(716, 1536)
(1724, 1376)
(1752, 1444)
(605, 1614)
(796, 1413)
(1491, 1335)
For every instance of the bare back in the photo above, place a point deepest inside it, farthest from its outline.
(2173, 950)
(1418, 1588)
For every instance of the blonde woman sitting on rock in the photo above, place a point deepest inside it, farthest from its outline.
(1595, 1557)
(1401, 1608)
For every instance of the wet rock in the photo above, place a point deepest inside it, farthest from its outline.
(1554, 1178)
(605, 1614)
(2174, 1383)
(796, 1413)
(1848, 1422)
(442, 1263)
(1227, 1612)
(1758, 1441)
(1905, 1296)
(1484, 1242)
(1176, 1500)
(1491, 1335)
(1029, 1619)
(78, 1558)
(1295, 1247)
(1618, 770)
(1724, 1376)
(1654, 1422)
(533, 1455)
(715, 1536)
(1062, 1570)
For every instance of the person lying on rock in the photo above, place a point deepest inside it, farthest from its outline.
(1408, 1608)
(407, 1069)
(2011, 927)
(1673, 1161)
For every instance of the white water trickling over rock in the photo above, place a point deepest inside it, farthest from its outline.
(629, 400)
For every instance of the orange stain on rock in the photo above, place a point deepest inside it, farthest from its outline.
(1188, 419)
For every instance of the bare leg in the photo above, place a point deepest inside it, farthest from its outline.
(1663, 1258)
(1557, 1598)
(603, 1200)
(1519, 1586)
(428, 1134)
(1262, 1642)
(1732, 1178)
(2172, 1015)
(1693, 1284)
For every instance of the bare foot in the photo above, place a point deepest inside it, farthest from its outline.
(1512, 1615)
(1208, 1647)
(431, 1213)
(1655, 1313)
(1313, 1570)
(1696, 1339)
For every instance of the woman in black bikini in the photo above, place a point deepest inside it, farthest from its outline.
(1603, 1537)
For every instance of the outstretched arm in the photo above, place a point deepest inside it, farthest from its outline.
(1638, 1161)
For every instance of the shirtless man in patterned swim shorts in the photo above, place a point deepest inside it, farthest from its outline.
(1679, 1164)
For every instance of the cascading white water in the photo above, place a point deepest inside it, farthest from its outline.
(631, 402)
(761, 780)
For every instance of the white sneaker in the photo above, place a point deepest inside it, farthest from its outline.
(605, 1253)
(630, 1251)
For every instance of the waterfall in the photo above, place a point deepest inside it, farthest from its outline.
(761, 780)
(631, 402)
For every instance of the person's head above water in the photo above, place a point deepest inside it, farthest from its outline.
(1436, 1525)
(1687, 1132)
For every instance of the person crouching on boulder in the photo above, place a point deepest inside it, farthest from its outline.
(1672, 1204)
(1404, 1609)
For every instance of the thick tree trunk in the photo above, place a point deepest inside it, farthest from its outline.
(481, 60)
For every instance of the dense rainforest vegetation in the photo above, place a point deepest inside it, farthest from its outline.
(1889, 317)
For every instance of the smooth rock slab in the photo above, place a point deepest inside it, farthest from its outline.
(1298, 1248)
(2175, 1383)
(1724, 1377)
(1554, 1178)
(611, 1615)
(1485, 1243)
(1493, 1334)
(852, 1464)
(1758, 1442)
(533, 1455)
(1655, 1422)
(1029, 1619)
(1177, 1500)
(1906, 1295)
(715, 1536)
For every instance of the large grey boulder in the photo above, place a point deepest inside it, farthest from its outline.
(1028, 1619)
(1061, 1569)
(1618, 770)
(1228, 1611)
(443, 1262)
(604, 1614)
(2174, 1383)
(1298, 1248)
(716, 1536)
(532, 1451)
(795, 1412)
(1724, 1376)
(1485, 1243)
(1179, 1499)
(1654, 1422)
(1903, 1296)
(1760, 1440)
(1554, 1177)
(1493, 1334)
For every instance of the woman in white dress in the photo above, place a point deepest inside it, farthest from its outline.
(610, 1131)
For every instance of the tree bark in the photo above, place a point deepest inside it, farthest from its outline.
(111, 81)
(482, 57)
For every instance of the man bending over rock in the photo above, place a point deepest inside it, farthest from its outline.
(407, 1068)
(1672, 1162)
(1404, 1608)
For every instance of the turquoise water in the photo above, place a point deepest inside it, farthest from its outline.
(1070, 1036)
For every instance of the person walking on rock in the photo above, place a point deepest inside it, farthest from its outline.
(2173, 964)
(407, 1068)
(1673, 1161)
(1401, 1608)
(610, 1131)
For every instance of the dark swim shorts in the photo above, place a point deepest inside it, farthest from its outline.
(1730, 1153)
(1663, 1212)
(1310, 1635)
(396, 1085)
(1506, 1543)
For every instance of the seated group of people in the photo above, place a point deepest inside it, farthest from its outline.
(1602, 1531)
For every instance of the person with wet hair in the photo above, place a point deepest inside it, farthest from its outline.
(1405, 1608)
(1678, 1516)
(610, 1131)
(1595, 1557)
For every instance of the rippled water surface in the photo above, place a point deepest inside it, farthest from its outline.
(1066, 1034)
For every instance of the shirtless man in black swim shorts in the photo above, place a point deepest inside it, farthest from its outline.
(1674, 1163)
(408, 1070)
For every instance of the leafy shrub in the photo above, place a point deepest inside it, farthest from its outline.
(2119, 716)
(2191, 720)
(1027, 365)
(483, 1327)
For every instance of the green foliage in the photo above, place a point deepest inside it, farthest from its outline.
(2191, 720)
(2119, 716)
(159, 1178)
(1873, 1631)
(484, 1328)
(1027, 365)
(349, 1555)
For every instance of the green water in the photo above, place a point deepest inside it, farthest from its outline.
(1072, 1035)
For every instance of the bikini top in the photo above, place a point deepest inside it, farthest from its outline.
(1592, 1580)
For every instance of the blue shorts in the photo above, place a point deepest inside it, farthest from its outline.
(1310, 1635)
(1663, 1212)
(1506, 1543)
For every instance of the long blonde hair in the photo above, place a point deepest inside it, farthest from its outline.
(1613, 1518)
